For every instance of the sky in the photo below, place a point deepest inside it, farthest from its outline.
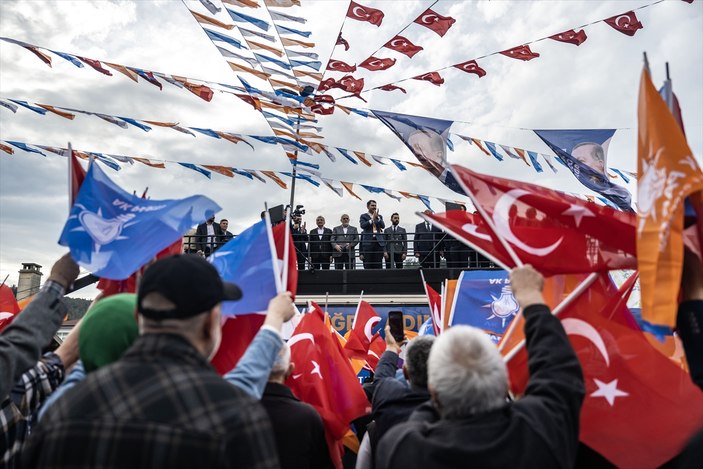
(591, 86)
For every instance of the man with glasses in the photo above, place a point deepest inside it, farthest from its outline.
(344, 239)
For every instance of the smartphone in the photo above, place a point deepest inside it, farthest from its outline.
(395, 321)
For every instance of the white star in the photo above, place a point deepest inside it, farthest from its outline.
(578, 212)
(316, 369)
(608, 391)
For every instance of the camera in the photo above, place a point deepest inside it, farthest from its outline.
(299, 211)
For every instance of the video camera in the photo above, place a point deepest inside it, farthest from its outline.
(299, 211)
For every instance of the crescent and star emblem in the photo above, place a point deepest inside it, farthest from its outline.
(429, 18)
(368, 327)
(363, 13)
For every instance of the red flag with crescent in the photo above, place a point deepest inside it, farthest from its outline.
(361, 335)
(364, 13)
(340, 66)
(8, 306)
(436, 22)
(521, 53)
(471, 66)
(640, 408)
(571, 36)
(342, 42)
(433, 77)
(391, 88)
(378, 346)
(626, 23)
(403, 45)
(374, 64)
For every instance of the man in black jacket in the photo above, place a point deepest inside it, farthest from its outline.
(320, 245)
(468, 383)
(208, 235)
(428, 244)
(297, 427)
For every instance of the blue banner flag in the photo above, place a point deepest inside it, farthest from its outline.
(242, 18)
(112, 233)
(427, 139)
(247, 260)
(585, 153)
(483, 299)
(215, 36)
(535, 163)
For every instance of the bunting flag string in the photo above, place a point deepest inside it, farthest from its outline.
(626, 23)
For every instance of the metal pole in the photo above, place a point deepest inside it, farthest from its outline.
(295, 167)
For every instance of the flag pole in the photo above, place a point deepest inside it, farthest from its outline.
(361, 295)
(327, 299)
(3, 282)
(70, 177)
(286, 250)
(272, 247)
(557, 311)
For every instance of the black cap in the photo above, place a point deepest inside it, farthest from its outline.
(188, 281)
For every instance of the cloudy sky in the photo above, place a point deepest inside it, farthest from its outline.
(594, 85)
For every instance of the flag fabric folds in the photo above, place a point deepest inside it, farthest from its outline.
(572, 37)
(8, 306)
(374, 63)
(403, 45)
(340, 66)
(433, 77)
(362, 13)
(667, 173)
(366, 320)
(627, 23)
(521, 53)
(112, 233)
(471, 66)
(436, 22)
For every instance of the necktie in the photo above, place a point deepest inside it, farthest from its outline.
(427, 226)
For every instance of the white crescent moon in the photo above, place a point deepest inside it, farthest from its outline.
(398, 43)
(473, 231)
(574, 326)
(435, 313)
(4, 315)
(502, 222)
(432, 18)
(298, 337)
(362, 14)
(369, 325)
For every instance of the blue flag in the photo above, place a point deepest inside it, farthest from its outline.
(483, 299)
(112, 233)
(585, 153)
(242, 18)
(247, 260)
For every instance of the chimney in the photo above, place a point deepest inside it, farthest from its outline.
(30, 280)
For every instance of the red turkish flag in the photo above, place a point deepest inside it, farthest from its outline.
(626, 23)
(8, 306)
(77, 175)
(402, 45)
(433, 77)
(364, 13)
(323, 377)
(391, 88)
(640, 408)
(571, 36)
(435, 301)
(351, 84)
(520, 53)
(96, 65)
(436, 22)
(471, 67)
(279, 235)
(374, 63)
(342, 42)
(322, 110)
(378, 346)
(339, 66)
(360, 337)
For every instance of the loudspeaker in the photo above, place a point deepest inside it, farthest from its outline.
(277, 214)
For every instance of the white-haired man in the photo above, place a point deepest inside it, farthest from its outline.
(478, 425)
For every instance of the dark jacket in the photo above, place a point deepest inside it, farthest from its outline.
(298, 429)
(539, 430)
(368, 235)
(426, 240)
(320, 247)
(162, 405)
(396, 242)
(201, 237)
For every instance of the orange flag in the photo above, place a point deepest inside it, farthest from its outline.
(274, 177)
(258, 45)
(148, 162)
(63, 114)
(348, 186)
(294, 42)
(305, 73)
(224, 170)
(6, 149)
(667, 173)
(124, 70)
(362, 157)
(202, 19)
(480, 147)
(242, 68)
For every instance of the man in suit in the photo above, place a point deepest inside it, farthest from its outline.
(300, 239)
(427, 245)
(207, 235)
(396, 244)
(226, 235)
(372, 239)
(344, 239)
(320, 248)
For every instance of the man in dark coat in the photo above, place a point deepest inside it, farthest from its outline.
(297, 427)
(396, 244)
(372, 239)
(427, 244)
(208, 235)
(478, 425)
(320, 245)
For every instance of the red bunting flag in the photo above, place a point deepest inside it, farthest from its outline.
(402, 45)
(340, 66)
(76, 176)
(433, 77)
(360, 337)
(391, 88)
(627, 23)
(374, 64)
(378, 346)
(96, 65)
(342, 42)
(520, 53)
(471, 67)
(364, 13)
(571, 36)
(437, 23)
(8, 306)
(352, 85)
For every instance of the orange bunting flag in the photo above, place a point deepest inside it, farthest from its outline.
(242, 68)
(667, 173)
(145, 161)
(285, 84)
(202, 19)
(304, 73)
(480, 147)
(254, 102)
(274, 177)
(223, 170)
(348, 186)
(42, 56)
(282, 3)
(6, 149)
(64, 114)
(132, 75)
(408, 195)
(362, 158)
(258, 45)
(243, 3)
(231, 137)
(294, 42)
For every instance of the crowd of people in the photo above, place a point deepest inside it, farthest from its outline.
(132, 386)
(374, 243)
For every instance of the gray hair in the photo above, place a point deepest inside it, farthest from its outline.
(416, 356)
(466, 373)
(282, 361)
(597, 150)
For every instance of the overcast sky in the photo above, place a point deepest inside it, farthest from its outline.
(594, 85)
